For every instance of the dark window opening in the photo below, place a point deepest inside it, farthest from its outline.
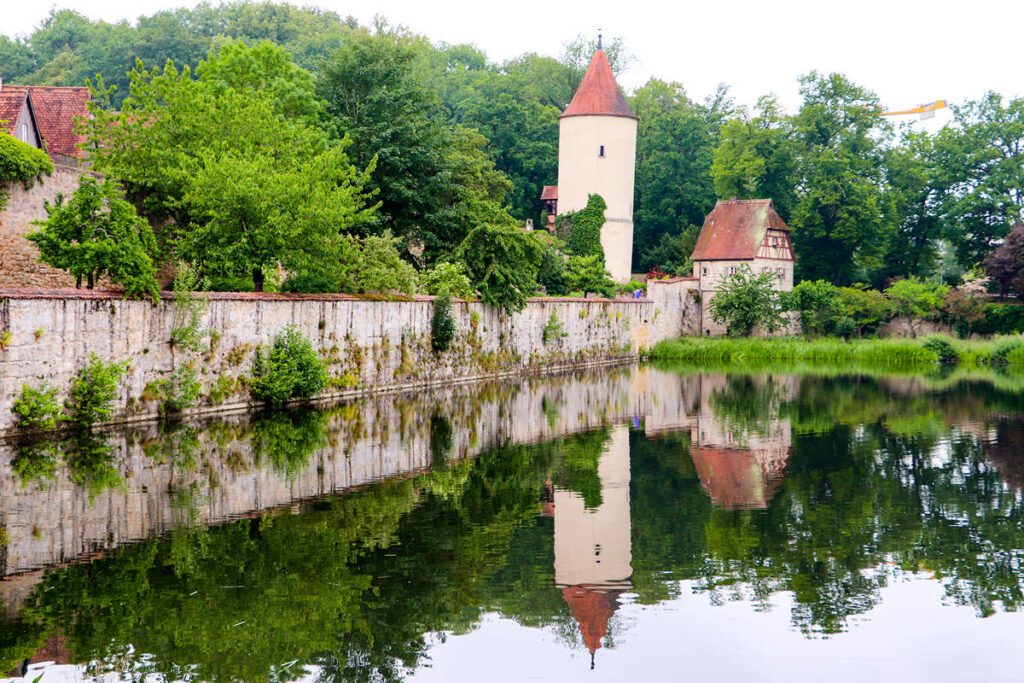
(601, 154)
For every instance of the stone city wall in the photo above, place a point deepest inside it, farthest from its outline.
(370, 346)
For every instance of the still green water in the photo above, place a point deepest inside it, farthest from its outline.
(649, 522)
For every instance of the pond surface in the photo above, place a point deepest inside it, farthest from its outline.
(647, 522)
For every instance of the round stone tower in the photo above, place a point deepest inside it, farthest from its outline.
(597, 155)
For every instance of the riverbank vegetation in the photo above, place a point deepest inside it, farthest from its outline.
(915, 352)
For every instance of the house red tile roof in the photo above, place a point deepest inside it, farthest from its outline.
(12, 100)
(599, 94)
(735, 229)
(56, 109)
(549, 192)
(733, 478)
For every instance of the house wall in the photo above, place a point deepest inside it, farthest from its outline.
(710, 274)
(370, 346)
(582, 171)
(19, 266)
(25, 118)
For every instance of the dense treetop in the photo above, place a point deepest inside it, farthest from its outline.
(451, 140)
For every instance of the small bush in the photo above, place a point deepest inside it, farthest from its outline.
(442, 326)
(93, 391)
(37, 408)
(177, 392)
(1006, 350)
(310, 283)
(189, 309)
(553, 330)
(447, 278)
(942, 348)
(289, 369)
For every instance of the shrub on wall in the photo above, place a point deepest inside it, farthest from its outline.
(588, 274)
(503, 262)
(37, 408)
(447, 278)
(289, 369)
(93, 390)
(442, 326)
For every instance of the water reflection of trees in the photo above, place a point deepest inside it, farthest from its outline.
(882, 482)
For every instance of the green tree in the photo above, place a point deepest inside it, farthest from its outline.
(981, 162)
(447, 278)
(380, 268)
(818, 304)
(433, 179)
(676, 139)
(743, 301)
(755, 157)
(841, 220)
(867, 308)
(503, 263)
(20, 163)
(289, 369)
(98, 233)
(588, 274)
(916, 300)
(247, 189)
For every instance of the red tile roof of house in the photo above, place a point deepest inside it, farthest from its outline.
(56, 109)
(599, 94)
(735, 229)
(12, 100)
(733, 478)
(549, 192)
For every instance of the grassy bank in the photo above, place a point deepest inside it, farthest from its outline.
(895, 352)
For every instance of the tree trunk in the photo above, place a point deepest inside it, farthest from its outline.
(257, 279)
(78, 282)
(91, 281)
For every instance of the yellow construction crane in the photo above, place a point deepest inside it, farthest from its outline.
(925, 111)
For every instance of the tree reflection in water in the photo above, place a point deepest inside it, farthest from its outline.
(849, 483)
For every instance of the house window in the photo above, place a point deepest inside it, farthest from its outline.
(601, 153)
(23, 132)
(732, 270)
(704, 270)
(780, 272)
(775, 242)
(765, 269)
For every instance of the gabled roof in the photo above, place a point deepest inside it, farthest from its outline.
(599, 94)
(549, 192)
(12, 101)
(735, 229)
(55, 109)
(733, 478)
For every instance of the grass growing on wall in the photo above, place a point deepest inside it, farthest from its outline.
(924, 351)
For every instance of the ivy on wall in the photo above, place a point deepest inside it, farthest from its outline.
(584, 228)
(22, 163)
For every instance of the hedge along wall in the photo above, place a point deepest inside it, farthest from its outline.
(370, 346)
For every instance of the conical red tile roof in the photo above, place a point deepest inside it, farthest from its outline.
(599, 94)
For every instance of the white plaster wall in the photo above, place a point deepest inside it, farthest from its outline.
(582, 171)
(710, 274)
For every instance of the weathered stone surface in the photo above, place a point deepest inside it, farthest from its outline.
(371, 346)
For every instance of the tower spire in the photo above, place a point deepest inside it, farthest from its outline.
(599, 40)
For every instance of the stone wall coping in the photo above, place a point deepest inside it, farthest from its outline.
(673, 280)
(106, 295)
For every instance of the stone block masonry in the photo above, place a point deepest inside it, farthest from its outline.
(19, 266)
(370, 346)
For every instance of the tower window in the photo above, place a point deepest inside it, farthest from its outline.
(601, 152)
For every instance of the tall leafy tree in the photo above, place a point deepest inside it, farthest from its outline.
(981, 158)
(432, 178)
(243, 187)
(841, 220)
(675, 144)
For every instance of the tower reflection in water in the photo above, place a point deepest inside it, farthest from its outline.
(740, 456)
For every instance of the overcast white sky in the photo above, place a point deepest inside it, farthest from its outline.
(909, 52)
